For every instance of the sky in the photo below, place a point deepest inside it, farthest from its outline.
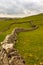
(21, 7)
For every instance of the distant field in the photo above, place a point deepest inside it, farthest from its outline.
(30, 44)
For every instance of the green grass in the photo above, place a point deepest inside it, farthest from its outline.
(30, 44)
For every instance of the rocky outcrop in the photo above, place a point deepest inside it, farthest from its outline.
(8, 54)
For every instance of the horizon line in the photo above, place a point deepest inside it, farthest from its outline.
(16, 16)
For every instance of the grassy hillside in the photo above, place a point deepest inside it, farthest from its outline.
(30, 44)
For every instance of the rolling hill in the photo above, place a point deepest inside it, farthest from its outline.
(30, 44)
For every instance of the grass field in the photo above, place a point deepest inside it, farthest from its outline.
(30, 44)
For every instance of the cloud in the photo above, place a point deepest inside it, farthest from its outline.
(17, 7)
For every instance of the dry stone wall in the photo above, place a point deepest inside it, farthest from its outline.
(8, 54)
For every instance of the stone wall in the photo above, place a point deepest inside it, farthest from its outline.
(8, 54)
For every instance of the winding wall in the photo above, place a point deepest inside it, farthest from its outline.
(8, 54)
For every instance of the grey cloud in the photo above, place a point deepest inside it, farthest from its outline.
(20, 6)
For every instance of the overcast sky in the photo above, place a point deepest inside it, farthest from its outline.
(17, 7)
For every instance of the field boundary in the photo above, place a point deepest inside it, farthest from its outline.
(7, 46)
